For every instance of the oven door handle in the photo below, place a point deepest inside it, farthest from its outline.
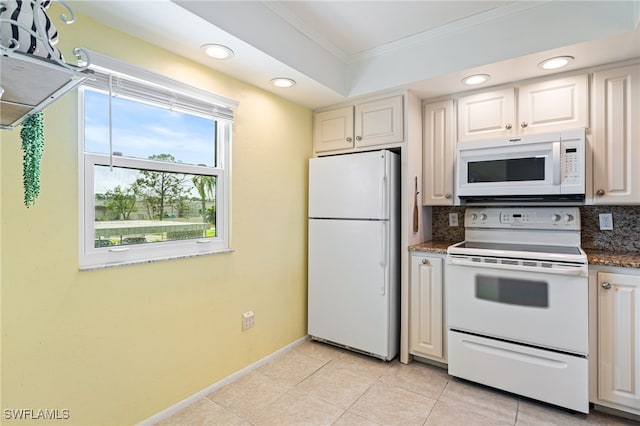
(573, 271)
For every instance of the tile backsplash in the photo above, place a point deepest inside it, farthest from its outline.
(625, 236)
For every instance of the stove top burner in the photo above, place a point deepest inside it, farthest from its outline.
(529, 248)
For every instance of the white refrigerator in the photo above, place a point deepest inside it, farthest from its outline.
(354, 252)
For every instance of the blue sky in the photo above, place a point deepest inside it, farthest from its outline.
(141, 130)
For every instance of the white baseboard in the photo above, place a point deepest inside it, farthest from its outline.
(166, 413)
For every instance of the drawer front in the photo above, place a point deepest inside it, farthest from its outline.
(547, 376)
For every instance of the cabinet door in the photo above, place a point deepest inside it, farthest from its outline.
(619, 339)
(553, 105)
(487, 115)
(438, 153)
(379, 122)
(333, 130)
(616, 136)
(426, 319)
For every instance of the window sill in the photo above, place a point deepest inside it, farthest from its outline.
(160, 259)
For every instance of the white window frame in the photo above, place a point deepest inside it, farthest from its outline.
(91, 257)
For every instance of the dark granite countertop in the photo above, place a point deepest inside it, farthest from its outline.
(431, 247)
(607, 258)
(596, 257)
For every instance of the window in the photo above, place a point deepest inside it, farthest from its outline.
(154, 167)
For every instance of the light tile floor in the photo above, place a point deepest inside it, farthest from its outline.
(318, 384)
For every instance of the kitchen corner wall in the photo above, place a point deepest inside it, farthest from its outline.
(118, 345)
(624, 238)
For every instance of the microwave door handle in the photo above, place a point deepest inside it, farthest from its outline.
(557, 171)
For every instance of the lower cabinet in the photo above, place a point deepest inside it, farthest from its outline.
(426, 307)
(619, 339)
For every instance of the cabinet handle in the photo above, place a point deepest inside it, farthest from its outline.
(349, 139)
(426, 262)
(358, 138)
(524, 124)
(606, 286)
(600, 192)
(508, 126)
(447, 195)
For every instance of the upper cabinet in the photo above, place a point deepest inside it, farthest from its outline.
(375, 123)
(438, 153)
(616, 136)
(546, 106)
(379, 122)
(553, 105)
(486, 115)
(333, 130)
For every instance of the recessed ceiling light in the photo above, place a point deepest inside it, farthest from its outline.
(283, 82)
(217, 51)
(555, 63)
(472, 80)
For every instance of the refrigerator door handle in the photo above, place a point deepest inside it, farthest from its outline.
(385, 255)
(384, 196)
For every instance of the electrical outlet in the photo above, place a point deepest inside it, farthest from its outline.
(606, 221)
(453, 219)
(247, 320)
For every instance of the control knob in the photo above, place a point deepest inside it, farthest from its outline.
(568, 217)
(474, 216)
(483, 216)
(555, 217)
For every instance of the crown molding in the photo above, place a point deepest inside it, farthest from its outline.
(301, 26)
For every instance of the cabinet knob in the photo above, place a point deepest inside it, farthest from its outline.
(524, 124)
(508, 126)
(447, 195)
(426, 262)
(349, 139)
(606, 286)
(600, 192)
(358, 138)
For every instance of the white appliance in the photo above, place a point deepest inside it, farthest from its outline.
(517, 298)
(544, 167)
(353, 252)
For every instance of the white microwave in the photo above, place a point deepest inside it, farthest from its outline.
(544, 167)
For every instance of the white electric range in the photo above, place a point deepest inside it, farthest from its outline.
(517, 303)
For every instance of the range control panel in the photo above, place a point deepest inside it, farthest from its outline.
(566, 218)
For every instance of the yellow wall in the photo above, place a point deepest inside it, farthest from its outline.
(116, 346)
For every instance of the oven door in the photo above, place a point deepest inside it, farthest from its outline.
(508, 169)
(540, 306)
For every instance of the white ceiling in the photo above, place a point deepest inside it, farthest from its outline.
(337, 50)
(353, 27)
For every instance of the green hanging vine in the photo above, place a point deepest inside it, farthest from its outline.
(32, 134)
